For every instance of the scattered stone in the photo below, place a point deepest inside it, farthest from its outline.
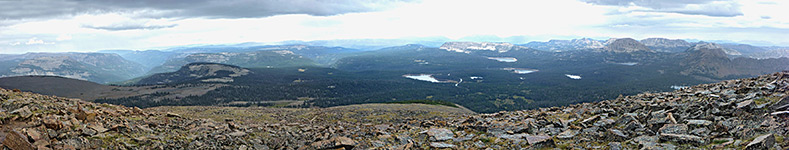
(762, 142)
(23, 112)
(590, 120)
(604, 123)
(513, 136)
(699, 123)
(745, 104)
(682, 138)
(440, 134)
(88, 131)
(169, 114)
(723, 142)
(52, 123)
(33, 134)
(674, 129)
(615, 135)
(646, 140)
(615, 146)
(237, 133)
(539, 140)
(98, 128)
(441, 145)
(17, 141)
(568, 134)
(670, 117)
(781, 105)
(334, 143)
(779, 113)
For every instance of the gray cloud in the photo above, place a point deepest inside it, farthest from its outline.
(127, 26)
(715, 8)
(35, 9)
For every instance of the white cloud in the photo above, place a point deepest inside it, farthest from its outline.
(63, 37)
(34, 41)
(535, 20)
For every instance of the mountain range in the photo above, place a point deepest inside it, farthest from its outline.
(97, 67)
(481, 76)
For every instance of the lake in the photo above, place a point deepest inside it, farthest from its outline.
(520, 70)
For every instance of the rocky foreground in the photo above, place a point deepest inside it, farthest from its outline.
(737, 114)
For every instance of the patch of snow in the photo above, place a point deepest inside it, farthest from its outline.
(628, 63)
(678, 87)
(504, 59)
(521, 70)
(575, 77)
(423, 77)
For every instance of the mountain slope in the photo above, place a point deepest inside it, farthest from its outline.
(713, 60)
(53, 85)
(148, 58)
(255, 59)
(207, 72)
(666, 45)
(97, 67)
(625, 45)
(566, 45)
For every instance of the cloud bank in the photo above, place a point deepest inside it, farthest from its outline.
(34, 9)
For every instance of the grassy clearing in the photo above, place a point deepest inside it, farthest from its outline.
(429, 102)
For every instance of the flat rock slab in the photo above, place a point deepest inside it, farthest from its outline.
(440, 134)
(762, 142)
(538, 139)
(17, 141)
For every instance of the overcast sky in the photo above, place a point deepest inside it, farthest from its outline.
(85, 25)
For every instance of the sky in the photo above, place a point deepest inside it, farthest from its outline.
(87, 25)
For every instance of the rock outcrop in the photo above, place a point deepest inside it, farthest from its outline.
(469, 47)
(625, 45)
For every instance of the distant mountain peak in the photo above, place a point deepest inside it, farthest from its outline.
(625, 45)
(565, 45)
(468, 47)
(664, 42)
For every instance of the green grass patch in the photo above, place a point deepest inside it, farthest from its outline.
(719, 141)
(429, 102)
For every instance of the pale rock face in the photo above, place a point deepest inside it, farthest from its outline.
(663, 42)
(563, 45)
(625, 45)
(468, 47)
(586, 43)
(716, 46)
(285, 52)
(46, 63)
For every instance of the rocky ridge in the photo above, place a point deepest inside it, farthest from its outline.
(96, 67)
(468, 47)
(566, 45)
(666, 45)
(207, 72)
(701, 46)
(625, 45)
(750, 113)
